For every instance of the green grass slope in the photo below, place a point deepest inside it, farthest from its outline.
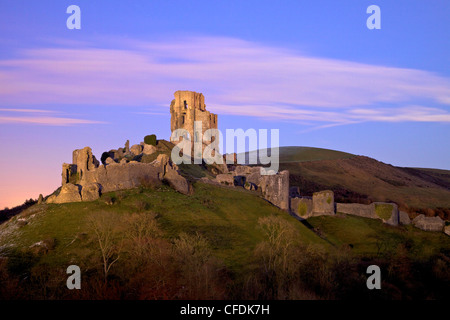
(326, 253)
(371, 238)
(227, 218)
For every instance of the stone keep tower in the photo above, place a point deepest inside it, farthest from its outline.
(187, 107)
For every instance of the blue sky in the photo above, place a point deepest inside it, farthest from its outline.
(311, 69)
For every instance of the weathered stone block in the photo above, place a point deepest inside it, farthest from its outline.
(185, 109)
(90, 192)
(404, 218)
(123, 176)
(136, 149)
(428, 223)
(275, 188)
(149, 149)
(323, 203)
(302, 206)
(84, 160)
(357, 209)
(68, 171)
(178, 182)
(387, 212)
(227, 179)
(69, 193)
(110, 160)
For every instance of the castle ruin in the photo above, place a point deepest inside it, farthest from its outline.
(185, 109)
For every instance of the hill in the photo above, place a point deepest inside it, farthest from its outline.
(225, 242)
(221, 242)
(364, 180)
(299, 154)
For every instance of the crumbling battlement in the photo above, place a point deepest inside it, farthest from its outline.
(188, 107)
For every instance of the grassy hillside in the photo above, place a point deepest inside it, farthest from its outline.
(169, 243)
(229, 243)
(301, 154)
(364, 180)
(227, 219)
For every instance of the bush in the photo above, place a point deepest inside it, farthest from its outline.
(150, 139)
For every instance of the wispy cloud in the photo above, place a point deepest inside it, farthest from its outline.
(25, 110)
(32, 118)
(237, 77)
(50, 121)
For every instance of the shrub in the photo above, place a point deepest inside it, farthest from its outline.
(141, 205)
(150, 139)
(109, 200)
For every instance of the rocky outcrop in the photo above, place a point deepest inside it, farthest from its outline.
(109, 160)
(447, 230)
(323, 203)
(149, 149)
(90, 192)
(250, 186)
(275, 188)
(225, 178)
(136, 149)
(163, 162)
(178, 182)
(428, 223)
(69, 193)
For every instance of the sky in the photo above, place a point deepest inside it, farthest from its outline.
(311, 69)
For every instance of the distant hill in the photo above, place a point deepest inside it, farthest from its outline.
(363, 179)
(300, 154)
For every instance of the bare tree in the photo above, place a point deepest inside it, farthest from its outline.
(104, 225)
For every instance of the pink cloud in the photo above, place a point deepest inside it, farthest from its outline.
(50, 121)
(237, 77)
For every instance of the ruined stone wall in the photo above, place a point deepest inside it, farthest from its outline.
(275, 188)
(302, 206)
(387, 212)
(357, 209)
(187, 107)
(323, 203)
(121, 176)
